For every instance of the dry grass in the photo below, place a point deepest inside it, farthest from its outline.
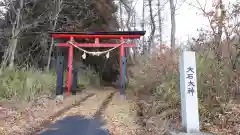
(156, 83)
(26, 84)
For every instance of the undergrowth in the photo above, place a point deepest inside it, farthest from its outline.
(156, 83)
(28, 83)
(25, 84)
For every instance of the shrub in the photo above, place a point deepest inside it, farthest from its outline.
(156, 83)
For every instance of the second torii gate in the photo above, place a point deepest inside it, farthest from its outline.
(121, 35)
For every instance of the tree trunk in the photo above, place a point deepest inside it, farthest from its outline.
(57, 10)
(13, 46)
(50, 54)
(143, 25)
(173, 26)
(5, 59)
(160, 22)
(153, 27)
(134, 49)
(218, 36)
(16, 29)
(121, 16)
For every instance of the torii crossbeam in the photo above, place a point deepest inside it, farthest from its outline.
(121, 35)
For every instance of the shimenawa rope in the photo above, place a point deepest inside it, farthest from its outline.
(97, 53)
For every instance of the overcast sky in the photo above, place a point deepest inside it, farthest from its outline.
(188, 18)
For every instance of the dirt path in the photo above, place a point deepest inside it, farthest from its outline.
(89, 107)
(94, 109)
(121, 116)
(114, 114)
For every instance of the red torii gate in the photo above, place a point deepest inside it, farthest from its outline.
(121, 35)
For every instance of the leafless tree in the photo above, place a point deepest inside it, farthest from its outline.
(153, 26)
(57, 7)
(129, 7)
(143, 26)
(222, 22)
(173, 24)
(20, 12)
(160, 21)
(216, 21)
(121, 16)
